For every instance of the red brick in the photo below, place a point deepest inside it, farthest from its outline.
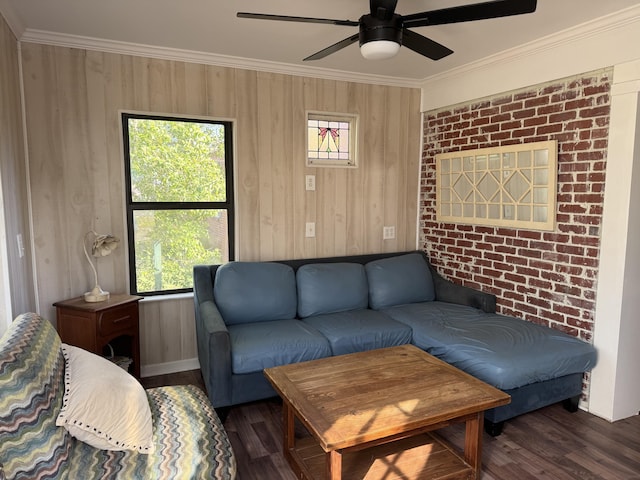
(527, 113)
(515, 278)
(562, 117)
(502, 285)
(549, 109)
(502, 100)
(537, 101)
(510, 125)
(501, 118)
(594, 112)
(526, 132)
(538, 302)
(564, 96)
(500, 136)
(488, 112)
(481, 106)
(593, 90)
(525, 95)
(552, 88)
(548, 129)
(534, 121)
(579, 103)
(529, 272)
(572, 147)
(580, 124)
(517, 260)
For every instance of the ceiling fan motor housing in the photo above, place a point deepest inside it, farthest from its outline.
(373, 29)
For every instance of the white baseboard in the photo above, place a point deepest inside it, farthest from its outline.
(169, 367)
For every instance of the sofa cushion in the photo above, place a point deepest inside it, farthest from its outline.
(360, 330)
(247, 292)
(31, 391)
(399, 280)
(505, 352)
(109, 411)
(331, 287)
(256, 346)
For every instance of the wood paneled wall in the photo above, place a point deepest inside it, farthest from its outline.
(16, 285)
(73, 100)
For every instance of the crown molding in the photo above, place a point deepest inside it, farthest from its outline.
(12, 19)
(508, 58)
(165, 53)
(585, 47)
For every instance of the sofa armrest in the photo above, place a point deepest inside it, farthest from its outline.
(212, 337)
(447, 291)
(214, 353)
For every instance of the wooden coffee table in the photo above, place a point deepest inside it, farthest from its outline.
(369, 413)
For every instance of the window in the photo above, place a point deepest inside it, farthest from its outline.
(511, 186)
(179, 188)
(331, 140)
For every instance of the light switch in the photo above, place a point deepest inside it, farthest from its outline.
(310, 182)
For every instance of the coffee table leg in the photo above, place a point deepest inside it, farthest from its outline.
(334, 465)
(473, 443)
(288, 420)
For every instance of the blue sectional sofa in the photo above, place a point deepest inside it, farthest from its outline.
(255, 315)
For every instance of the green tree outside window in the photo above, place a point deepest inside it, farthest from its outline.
(178, 199)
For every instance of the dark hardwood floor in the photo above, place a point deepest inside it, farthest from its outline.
(549, 444)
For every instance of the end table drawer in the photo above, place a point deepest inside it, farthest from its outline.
(118, 319)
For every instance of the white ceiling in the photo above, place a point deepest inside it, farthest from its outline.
(211, 28)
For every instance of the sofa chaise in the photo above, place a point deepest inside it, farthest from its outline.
(52, 394)
(255, 315)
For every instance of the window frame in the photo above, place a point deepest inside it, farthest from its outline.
(333, 117)
(447, 179)
(228, 205)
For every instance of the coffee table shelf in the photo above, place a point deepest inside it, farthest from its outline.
(419, 457)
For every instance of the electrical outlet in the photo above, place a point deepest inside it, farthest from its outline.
(310, 229)
(310, 182)
(388, 233)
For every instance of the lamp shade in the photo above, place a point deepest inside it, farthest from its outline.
(102, 246)
(379, 49)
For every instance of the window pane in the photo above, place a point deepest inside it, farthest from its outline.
(331, 139)
(168, 243)
(176, 161)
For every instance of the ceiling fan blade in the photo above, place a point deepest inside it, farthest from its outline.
(334, 48)
(424, 46)
(286, 18)
(383, 9)
(468, 13)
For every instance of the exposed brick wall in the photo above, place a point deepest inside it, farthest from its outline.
(544, 277)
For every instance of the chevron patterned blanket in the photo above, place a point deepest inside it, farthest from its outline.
(189, 440)
(190, 443)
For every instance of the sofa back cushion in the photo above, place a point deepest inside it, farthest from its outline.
(255, 292)
(399, 280)
(330, 288)
(32, 388)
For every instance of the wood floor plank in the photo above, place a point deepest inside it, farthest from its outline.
(548, 444)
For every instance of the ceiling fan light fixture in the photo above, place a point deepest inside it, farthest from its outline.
(379, 49)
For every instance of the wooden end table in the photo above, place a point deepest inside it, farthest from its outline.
(92, 326)
(369, 415)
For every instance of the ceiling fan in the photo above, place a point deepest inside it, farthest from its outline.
(382, 31)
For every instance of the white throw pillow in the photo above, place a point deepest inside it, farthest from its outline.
(103, 405)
